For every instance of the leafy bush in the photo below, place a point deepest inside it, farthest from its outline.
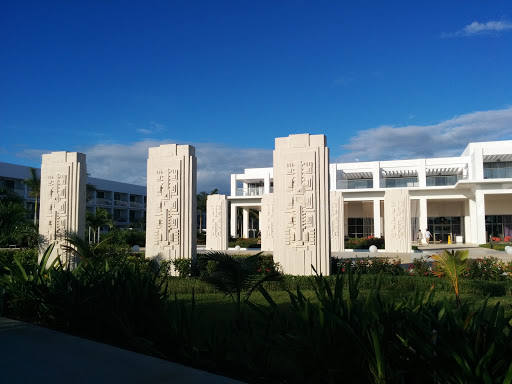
(126, 237)
(489, 268)
(364, 242)
(244, 243)
(368, 266)
(26, 257)
(421, 266)
(183, 267)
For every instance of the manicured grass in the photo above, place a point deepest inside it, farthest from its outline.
(496, 246)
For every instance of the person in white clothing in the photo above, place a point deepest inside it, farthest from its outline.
(419, 237)
(427, 236)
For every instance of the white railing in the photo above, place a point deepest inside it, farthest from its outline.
(253, 191)
(441, 181)
(354, 184)
(121, 203)
(103, 201)
(497, 173)
(400, 182)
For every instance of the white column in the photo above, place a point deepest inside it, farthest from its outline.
(422, 178)
(245, 225)
(216, 223)
(480, 217)
(233, 184)
(233, 220)
(376, 174)
(332, 177)
(467, 222)
(62, 208)
(471, 228)
(266, 183)
(377, 230)
(423, 214)
(171, 202)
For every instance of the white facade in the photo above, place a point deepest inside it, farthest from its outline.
(466, 198)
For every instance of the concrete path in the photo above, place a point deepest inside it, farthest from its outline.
(30, 354)
(475, 252)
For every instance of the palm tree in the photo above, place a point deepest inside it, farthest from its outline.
(201, 205)
(97, 220)
(34, 184)
(233, 276)
(451, 264)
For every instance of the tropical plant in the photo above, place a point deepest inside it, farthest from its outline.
(12, 215)
(234, 276)
(34, 184)
(81, 248)
(97, 220)
(452, 265)
(202, 199)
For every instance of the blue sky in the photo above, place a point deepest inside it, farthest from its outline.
(382, 80)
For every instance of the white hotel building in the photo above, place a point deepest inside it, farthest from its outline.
(126, 203)
(467, 198)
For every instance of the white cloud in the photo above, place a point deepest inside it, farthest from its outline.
(215, 162)
(34, 154)
(448, 138)
(127, 163)
(476, 28)
(154, 127)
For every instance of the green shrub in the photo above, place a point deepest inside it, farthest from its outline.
(125, 237)
(368, 266)
(364, 242)
(244, 243)
(420, 266)
(488, 268)
(183, 267)
(27, 258)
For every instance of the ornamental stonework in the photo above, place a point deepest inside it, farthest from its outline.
(171, 202)
(301, 204)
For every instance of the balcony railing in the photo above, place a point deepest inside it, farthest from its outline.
(103, 202)
(253, 191)
(354, 184)
(400, 182)
(135, 204)
(498, 173)
(121, 203)
(441, 181)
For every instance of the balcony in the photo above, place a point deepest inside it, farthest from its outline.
(103, 202)
(498, 173)
(442, 181)
(253, 191)
(400, 182)
(121, 203)
(135, 204)
(354, 184)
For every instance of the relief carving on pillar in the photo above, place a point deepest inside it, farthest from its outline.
(56, 212)
(300, 231)
(167, 234)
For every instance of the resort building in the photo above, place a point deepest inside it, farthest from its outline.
(459, 199)
(126, 203)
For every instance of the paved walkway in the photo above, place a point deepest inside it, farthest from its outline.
(475, 252)
(30, 354)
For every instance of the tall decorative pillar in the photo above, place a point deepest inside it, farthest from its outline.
(62, 210)
(301, 204)
(397, 221)
(171, 228)
(337, 222)
(267, 222)
(217, 223)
